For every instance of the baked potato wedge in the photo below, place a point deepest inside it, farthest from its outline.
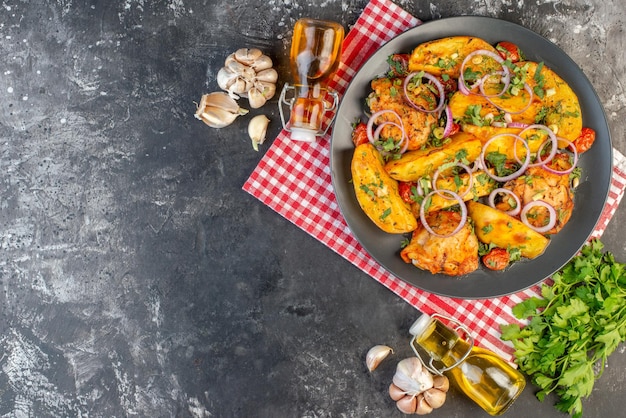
(415, 164)
(377, 193)
(493, 226)
(445, 56)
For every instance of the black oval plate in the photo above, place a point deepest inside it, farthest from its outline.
(590, 196)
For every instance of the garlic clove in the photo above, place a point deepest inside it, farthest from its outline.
(411, 377)
(435, 397)
(248, 56)
(376, 355)
(262, 63)
(422, 407)
(226, 78)
(257, 130)
(395, 392)
(256, 98)
(407, 404)
(218, 110)
(267, 89)
(268, 75)
(441, 382)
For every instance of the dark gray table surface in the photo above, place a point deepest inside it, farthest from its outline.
(138, 279)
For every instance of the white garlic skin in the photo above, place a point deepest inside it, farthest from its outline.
(412, 377)
(218, 110)
(248, 73)
(376, 355)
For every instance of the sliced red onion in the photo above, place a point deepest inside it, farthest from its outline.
(448, 128)
(523, 166)
(458, 164)
(492, 200)
(432, 79)
(373, 135)
(517, 125)
(553, 141)
(463, 213)
(463, 88)
(551, 211)
(572, 147)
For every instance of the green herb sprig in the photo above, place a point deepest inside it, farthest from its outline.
(579, 321)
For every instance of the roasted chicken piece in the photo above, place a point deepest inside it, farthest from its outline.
(540, 184)
(388, 95)
(454, 256)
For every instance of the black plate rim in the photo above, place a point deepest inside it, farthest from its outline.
(590, 197)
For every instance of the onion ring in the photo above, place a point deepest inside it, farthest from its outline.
(463, 213)
(571, 146)
(372, 135)
(457, 164)
(492, 200)
(551, 211)
(553, 141)
(463, 88)
(432, 79)
(514, 175)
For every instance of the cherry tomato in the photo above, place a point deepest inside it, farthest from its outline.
(585, 140)
(508, 50)
(405, 188)
(398, 65)
(496, 259)
(359, 134)
(455, 129)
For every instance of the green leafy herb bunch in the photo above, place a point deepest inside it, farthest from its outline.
(579, 321)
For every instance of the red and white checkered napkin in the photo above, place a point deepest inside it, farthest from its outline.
(293, 178)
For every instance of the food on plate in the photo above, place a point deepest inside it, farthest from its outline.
(413, 165)
(417, 125)
(445, 56)
(492, 226)
(377, 193)
(453, 255)
(474, 150)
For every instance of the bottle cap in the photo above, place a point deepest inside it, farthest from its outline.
(304, 135)
(419, 326)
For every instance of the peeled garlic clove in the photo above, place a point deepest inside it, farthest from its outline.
(375, 355)
(435, 397)
(257, 130)
(218, 110)
(407, 404)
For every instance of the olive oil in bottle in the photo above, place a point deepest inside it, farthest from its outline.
(482, 375)
(314, 57)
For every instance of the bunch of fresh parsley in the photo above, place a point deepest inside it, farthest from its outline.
(578, 323)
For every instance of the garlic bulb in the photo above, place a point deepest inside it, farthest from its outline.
(375, 355)
(218, 110)
(257, 129)
(249, 73)
(415, 390)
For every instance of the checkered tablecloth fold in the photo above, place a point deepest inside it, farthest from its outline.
(294, 179)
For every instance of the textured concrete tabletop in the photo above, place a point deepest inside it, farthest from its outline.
(138, 279)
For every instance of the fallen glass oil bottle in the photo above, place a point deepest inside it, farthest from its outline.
(314, 57)
(482, 375)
